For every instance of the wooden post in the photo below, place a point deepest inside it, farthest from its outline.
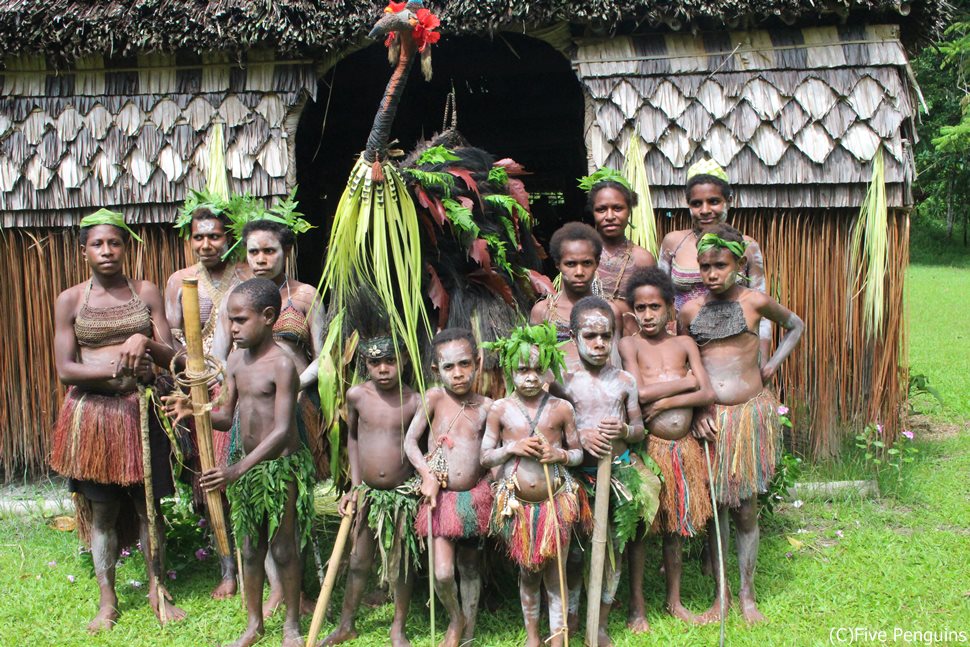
(195, 370)
(323, 600)
(601, 513)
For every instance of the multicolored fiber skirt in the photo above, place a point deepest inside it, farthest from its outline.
(748, 447)
(458, 515)
(685, 498)
(390, 515)
(259, 496)
(528, 528)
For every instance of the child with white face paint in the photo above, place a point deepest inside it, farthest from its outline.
(523, 432)
(456, 491)
(609, 421)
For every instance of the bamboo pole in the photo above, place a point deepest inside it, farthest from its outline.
(195, 370)
(601, 512)
(563, 592)
(333, 566)
(431, 571)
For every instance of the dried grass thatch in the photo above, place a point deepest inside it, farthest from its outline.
(38, 264)
(69, 29)
(838, 378)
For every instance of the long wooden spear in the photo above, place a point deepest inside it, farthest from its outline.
(195, 371)
(601, 513)
(563, 591)
(323, 600)
(154, 564)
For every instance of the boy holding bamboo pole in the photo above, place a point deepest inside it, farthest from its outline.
(270, 482)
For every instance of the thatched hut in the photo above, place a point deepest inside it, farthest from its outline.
(111, 104)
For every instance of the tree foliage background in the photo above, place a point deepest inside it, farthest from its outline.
(942, 164)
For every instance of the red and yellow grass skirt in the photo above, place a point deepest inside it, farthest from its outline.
(685, 497)
(748, 447)
(528, 528)
(458, 515)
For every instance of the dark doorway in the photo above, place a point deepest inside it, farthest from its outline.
(517, 97)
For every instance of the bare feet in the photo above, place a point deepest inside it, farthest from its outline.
(172, 612)
(531, 641)
(338, 635)
(749, 611)
(251, 636)
(307, 604)
(714, 613)
(292, 637)
(603, 639)
(225, 590)
(679, 611)
(272, 603)
(638, 624)
(105, 620)
(453, 633)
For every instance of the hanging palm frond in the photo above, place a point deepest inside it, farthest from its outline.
(869, 253)
(216, 183)
(375, 240)
(642, 229)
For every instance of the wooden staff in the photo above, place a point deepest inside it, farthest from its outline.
(155, 563)
(431, 571)
(195, 370)
(601, 512)
(323, 600)
(563, 591)
(721, 582)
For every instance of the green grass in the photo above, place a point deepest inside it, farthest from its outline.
(939, 338)
(898, 562)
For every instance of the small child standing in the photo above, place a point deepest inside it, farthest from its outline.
(378, 412)
(456, 491)
(523, 433)
(668, 394)
(609, 421)
(744, 424)
(270, 486)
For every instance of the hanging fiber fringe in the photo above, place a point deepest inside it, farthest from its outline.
(458, 515)
(748, 447)
(685, 502)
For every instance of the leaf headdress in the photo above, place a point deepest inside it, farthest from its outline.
(605, 174)
(515, 349)
(243, 209)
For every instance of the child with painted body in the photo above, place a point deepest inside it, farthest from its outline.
(608, 419)
(744, 422)
(524, 432)
(671, 381)
(456, 492)
(378, 412)
(261, 386)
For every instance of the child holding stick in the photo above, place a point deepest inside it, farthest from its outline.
(456, 491)
(532, 436)
(744, 423)
(671, 381)
(270, 477)
(378, 412)
(608, 418)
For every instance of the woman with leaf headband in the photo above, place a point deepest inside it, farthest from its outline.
(108, 332)
(610, 201)
(528, 435)
(205, 221)
(709, 198)
(743, 424)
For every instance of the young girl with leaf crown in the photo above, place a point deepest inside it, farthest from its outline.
(610, 201)
(743, 424)
(709, 198)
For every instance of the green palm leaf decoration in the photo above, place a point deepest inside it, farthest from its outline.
(869, 251)
(216, 183)
(642, 229)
